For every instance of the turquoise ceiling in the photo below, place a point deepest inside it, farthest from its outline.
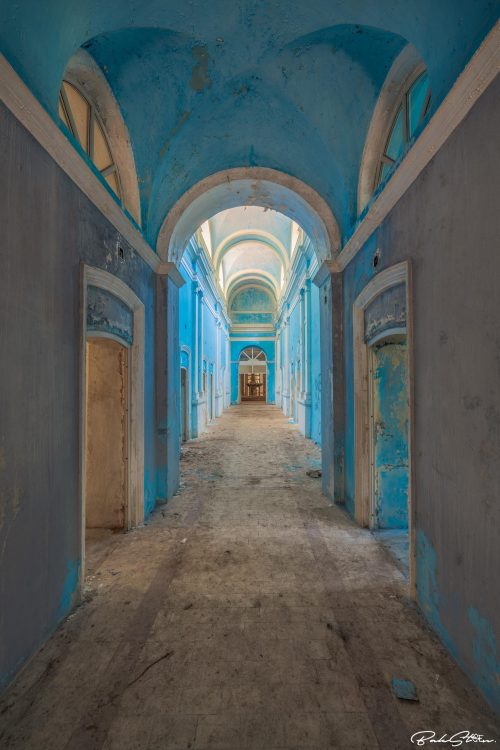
(206, 86)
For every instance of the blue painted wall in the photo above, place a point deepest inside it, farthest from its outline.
(315, 366)
(40, 391)
(108, 314)
(456, 438)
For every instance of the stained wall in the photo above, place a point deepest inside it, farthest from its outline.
(447, 225)
(40, 329)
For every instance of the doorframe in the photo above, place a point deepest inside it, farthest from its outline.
(392, 276)
(91, 276)
(189, 395)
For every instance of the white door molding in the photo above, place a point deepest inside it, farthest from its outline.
(135, 502)
(397, 274)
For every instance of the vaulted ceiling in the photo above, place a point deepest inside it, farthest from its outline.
(207, 86)
(250, 247)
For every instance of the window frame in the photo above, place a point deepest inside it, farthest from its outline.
(402, 103)
(93, 117)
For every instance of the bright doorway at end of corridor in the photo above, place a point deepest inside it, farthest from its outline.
(253, 375)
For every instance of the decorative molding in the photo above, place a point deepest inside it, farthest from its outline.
(255, 186)
(135, 504)
(170, 269)
(477, 75)
(384, 280)
(27, 109)
(363, 435)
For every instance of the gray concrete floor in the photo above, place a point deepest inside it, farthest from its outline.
(247, 614)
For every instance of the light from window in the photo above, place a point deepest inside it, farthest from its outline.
(410, 114)
(82, 120)
(252, 352)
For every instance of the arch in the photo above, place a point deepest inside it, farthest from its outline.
(252, 274)
(83, 71)
(406, 68)
(244, 235)
(255, 352)
(249, 186)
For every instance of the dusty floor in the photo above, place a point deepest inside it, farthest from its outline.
(247, 614)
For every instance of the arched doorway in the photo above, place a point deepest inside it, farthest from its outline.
(252, 372)
(271, 190)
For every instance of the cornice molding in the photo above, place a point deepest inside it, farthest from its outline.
(29, 112)
(478, 74)
(170, 269)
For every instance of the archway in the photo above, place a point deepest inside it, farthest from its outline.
(252, 375)
(249, 186)
(301, 206)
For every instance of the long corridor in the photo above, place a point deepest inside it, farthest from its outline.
(248, 613)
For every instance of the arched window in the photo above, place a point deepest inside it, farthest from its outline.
(252, 353)
(411, 111)
(83, 121)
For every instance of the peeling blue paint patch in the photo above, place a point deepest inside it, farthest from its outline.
(387, 311)
(484, 650)
(428, 591)
(69, 588)
(108, 314)
(390, 413)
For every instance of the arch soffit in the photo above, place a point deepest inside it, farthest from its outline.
(252, 275)
(246, 186)
(83, 71)
(243, 286)
(245, 235)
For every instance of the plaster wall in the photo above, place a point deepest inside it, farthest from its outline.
(48, 229)
(211, 357)
(448, 225)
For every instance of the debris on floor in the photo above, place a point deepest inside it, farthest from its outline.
(404, 689)
(314, 473)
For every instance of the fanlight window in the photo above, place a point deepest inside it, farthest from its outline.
(411, 112)
(252, 353)
(82, 120)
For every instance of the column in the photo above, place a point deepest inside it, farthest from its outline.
(301, 341)
(306, 360)
(200, 341)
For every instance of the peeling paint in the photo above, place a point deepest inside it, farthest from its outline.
(390, 427)
(200, 79)
(108, 314)
(70, 585)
